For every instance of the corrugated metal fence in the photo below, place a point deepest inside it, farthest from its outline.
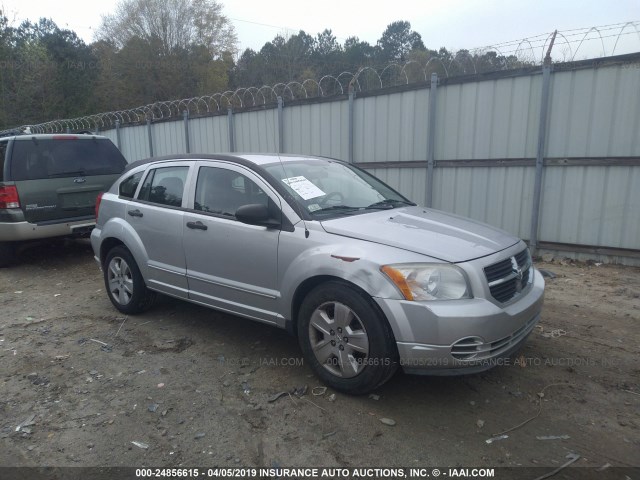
(481, 136)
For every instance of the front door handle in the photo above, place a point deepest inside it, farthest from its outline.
(135, 213)
(197, 225)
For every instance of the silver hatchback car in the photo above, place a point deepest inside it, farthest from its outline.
(366, 279)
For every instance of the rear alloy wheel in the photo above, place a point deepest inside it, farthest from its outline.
(124, 283)
(346, 339)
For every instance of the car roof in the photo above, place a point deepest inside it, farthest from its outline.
(251, 159)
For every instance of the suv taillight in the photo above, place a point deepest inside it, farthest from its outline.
(98, 200)
(9, 197)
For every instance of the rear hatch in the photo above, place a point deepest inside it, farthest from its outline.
(60, 176)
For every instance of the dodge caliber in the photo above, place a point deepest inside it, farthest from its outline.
(367, 280)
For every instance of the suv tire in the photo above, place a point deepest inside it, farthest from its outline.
(346, 338)
(7, 253)
(124, 283)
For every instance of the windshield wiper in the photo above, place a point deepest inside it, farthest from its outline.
(389, 203)
(337, 209)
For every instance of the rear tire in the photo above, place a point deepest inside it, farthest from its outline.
(7, 254)
(346, 339)
(124, 283)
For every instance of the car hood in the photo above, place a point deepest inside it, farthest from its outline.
(440, 235)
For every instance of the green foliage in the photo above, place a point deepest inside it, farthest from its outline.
(48, 73)
(149, 50)
(139, 73)
(398, 40)
(171, 25)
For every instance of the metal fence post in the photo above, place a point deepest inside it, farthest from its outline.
(431, 137)
(542, 136)
(150, 137)
(350, 152)
(542, 133)
(185, 114)
(232, 137)
(280, 126)
(118, 143)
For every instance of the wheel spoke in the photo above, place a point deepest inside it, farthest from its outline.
(348, 365)
(114, 267)
(124, 267)
(323, 351)
(321, 322)
(359, 342)
(342, 314)
(128, 286)
(113, 285)
(122, 297)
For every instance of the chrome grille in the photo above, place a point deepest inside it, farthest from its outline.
(509, 277)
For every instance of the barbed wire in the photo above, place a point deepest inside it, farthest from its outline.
(536, 45)
(508, 55)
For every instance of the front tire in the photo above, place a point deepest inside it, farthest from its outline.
(346, 339)
(124, 283)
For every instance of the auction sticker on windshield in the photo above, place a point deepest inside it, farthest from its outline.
(303, 187)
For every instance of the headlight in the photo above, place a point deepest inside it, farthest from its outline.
(424, 281)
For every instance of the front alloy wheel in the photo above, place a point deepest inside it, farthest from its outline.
(346, 338)
(338, 339)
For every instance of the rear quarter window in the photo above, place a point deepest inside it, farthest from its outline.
(49, 158)
(129, 185)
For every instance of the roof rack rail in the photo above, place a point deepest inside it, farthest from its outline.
(11, 133)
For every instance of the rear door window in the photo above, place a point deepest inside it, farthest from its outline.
(164, 186)
(35, 159)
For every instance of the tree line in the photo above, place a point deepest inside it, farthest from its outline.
(153, 50)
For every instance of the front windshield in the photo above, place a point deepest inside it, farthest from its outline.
(326, 188)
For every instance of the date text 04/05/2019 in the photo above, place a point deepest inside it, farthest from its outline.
(269, 472)
(313, 472)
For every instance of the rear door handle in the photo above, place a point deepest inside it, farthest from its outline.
(197, 225)
(135, 213)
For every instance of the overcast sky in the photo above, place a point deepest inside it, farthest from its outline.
(453, 24)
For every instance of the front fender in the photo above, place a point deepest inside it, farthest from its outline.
(348, 263)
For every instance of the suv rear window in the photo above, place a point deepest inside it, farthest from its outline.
(47, 158)
(3, 151)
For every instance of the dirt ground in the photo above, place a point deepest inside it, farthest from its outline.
(191, 387)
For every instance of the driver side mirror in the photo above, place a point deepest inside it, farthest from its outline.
(256, 214)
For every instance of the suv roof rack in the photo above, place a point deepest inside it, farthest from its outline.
(11, 133)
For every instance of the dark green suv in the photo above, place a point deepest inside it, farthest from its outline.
(49, 185)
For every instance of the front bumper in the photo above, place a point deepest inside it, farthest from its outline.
(462, 336)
